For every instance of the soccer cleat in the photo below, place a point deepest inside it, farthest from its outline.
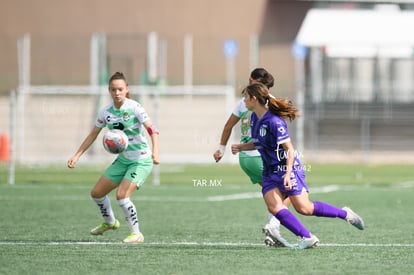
(273, 237)
(306, 243)
(134, 238)
(100, 229)
(353, 218)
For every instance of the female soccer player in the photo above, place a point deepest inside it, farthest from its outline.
(250, 161)
(283, 173)
(130, 169)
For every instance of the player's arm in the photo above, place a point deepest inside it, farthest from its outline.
(225, 135)
(236, 148)
(153, 133)
(90, 138)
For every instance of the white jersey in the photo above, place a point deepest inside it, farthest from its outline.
(130, 119)
(244, 114)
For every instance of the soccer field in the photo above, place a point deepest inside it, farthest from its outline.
(204, 219)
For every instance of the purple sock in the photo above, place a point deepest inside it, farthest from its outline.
(322, 209)
(288, 220)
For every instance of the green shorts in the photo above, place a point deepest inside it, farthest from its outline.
(252, 166)
(134, 171)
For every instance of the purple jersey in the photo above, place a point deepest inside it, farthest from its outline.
(268, 135)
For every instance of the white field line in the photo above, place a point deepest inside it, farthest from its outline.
(314, 190)
(251, 195)
(236, 196)
(239, 196)
(190, 244)
(86, 198)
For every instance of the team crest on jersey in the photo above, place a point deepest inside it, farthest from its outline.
(125, 116)
(262, 131)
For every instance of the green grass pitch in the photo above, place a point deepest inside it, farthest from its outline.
(204, 219)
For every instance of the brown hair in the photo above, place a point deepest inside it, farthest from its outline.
(278, 106)
(119, 75)
(262, 76)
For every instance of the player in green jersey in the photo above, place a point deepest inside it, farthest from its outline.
(130, 169)
(250, 161)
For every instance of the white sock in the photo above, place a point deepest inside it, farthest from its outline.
(273, 221)
(131, 215)
(104, 205)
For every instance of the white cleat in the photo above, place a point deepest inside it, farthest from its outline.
(354, 219)
(306, 243)
(274, 238)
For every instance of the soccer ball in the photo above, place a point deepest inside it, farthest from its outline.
(115, 141)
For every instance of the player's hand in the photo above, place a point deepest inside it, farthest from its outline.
(235, 148)
(155, 159)
(217, 155)
(287, 182)
(72, 162)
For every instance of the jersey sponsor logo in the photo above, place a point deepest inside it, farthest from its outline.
(116, 122)
(116, 119)
(118, 126)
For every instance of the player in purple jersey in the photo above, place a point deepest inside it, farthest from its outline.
(250, 161)
(271, 138)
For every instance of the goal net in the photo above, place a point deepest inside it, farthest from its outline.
(52, 121)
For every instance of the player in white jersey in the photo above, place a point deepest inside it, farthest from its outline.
(250, 161)
(130, 169)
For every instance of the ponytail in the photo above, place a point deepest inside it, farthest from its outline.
(283, 108)
(278, 106)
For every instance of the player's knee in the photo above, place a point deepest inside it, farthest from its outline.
(95, 194)
(120, 194)
(304, 210)
(271, 210)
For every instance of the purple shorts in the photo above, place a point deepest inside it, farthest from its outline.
(272, 181)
